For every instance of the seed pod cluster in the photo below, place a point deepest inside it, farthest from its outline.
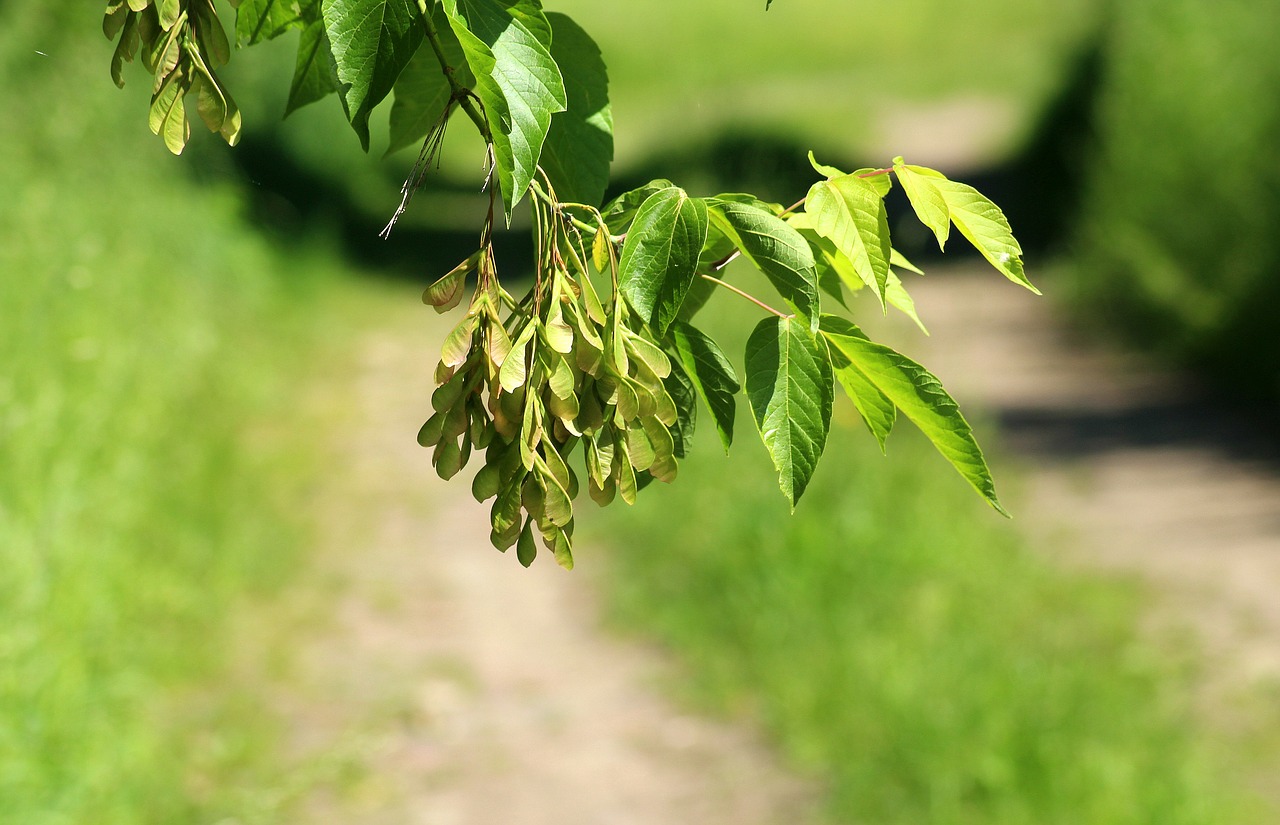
(560, 369)
(181, 43)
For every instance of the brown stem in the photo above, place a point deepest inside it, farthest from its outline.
(749, 297)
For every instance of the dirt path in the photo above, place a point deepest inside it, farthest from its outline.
(1128, 463)
(450, 685)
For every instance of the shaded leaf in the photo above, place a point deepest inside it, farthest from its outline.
(422, 91)
(313, 74)
(712, 376)
(579, 145)
(680, 387)
(259, 20)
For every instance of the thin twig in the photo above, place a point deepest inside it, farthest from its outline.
(749, 297)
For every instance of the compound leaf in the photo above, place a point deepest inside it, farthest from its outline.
(790, 388)
(660, 256)
(939, 202)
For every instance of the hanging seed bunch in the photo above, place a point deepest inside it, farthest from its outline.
(527, 381)
(181, 43)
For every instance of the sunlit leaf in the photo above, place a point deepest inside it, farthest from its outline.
(371, 41)
(920, 396)
(775, 248)
(660, 255)
(850, 213)
(507, 45)
(790, 388)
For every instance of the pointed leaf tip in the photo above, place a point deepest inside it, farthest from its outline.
(790, 388)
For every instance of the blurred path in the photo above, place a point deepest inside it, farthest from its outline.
(452, 686)
(1129, 463)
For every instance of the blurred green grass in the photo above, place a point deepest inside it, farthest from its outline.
(907, 647)
(908, 650)
(152, 449)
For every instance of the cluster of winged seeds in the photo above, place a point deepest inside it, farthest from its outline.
(527, 382)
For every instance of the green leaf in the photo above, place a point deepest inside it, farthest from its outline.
(775, 248)
(898, 298)
(711, 374)
(931, 208)
(621, 211)
(986, 227)
(938, 200)
(878, 179)
(850, 212)
(920, 396)
(260, 20)
(679, 385)
(790, 388)
(897, 259)
(660, 255)
(422, 91)
(313, 73)
(507, 44)
(371, 42)
(877, 410)
(822, 169)
(832, 266)
(579, 145)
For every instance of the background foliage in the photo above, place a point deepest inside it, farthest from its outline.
(1178, 249)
